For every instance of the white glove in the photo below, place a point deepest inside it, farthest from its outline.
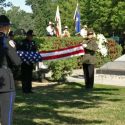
(42, 66)
(84, 45)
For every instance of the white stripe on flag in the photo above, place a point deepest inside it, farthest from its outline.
(54, 59)
(61, 52)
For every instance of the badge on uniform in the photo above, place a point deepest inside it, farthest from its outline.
(12, 44)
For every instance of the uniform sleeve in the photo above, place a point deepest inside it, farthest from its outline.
(18, 45)
(92, 45)
(21, 46)
(12, 55)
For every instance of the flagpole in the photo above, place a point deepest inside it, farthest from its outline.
(75, 11)
(77, 1)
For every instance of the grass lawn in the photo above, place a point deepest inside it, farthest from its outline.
(70, 104)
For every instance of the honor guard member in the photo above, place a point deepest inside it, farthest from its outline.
(90, 47)
(66, 33)
(50, 29)
(8, 57)
(15, 70)
(26, 68)
(83, 32)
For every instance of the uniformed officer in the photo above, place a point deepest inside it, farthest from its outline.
(50, 29)
(83, 31)
(8, 57)
(26, 68)
(15, 70)
(66, 33)
(90, 47)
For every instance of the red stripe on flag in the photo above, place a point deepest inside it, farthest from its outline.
(63, 55)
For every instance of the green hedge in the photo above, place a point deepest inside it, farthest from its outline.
(61, 68)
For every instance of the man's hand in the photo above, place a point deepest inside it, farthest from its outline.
(84, 45)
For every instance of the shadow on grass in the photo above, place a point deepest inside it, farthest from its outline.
(59, 104)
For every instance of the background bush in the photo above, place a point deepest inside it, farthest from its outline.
(61, 68)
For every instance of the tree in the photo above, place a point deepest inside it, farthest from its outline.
(3, 3)
(44, 11)
(20, 19)
(2, 11)
(103, 15)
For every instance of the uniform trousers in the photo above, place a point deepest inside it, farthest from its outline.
(6, 106)
(26, 72)
(88, 75)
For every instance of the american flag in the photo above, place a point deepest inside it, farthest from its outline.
(33, 57)
(29, 57)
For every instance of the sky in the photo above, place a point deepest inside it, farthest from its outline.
(21, 4)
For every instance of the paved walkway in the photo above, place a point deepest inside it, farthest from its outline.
(77, 76)
(117, 80)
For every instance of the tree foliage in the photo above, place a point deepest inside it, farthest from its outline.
(103, 15)
(3, 3)
(42, 13)
(2, 11)
(20, 19)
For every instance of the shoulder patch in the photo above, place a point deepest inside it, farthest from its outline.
(11, 43)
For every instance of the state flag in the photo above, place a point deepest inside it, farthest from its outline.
(58, 23)
(77, 19)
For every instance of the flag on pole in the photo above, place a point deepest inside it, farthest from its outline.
(68, 52)
(77, 19)
(58, 23)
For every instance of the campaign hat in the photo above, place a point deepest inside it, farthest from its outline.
(50, 23)
(30, 33)
(84, 26)
(90, 32)
(66, 27)
(4, 20)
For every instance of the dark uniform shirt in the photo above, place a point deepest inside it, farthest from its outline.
(27, 67)
(8, 58)
(27, 45)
